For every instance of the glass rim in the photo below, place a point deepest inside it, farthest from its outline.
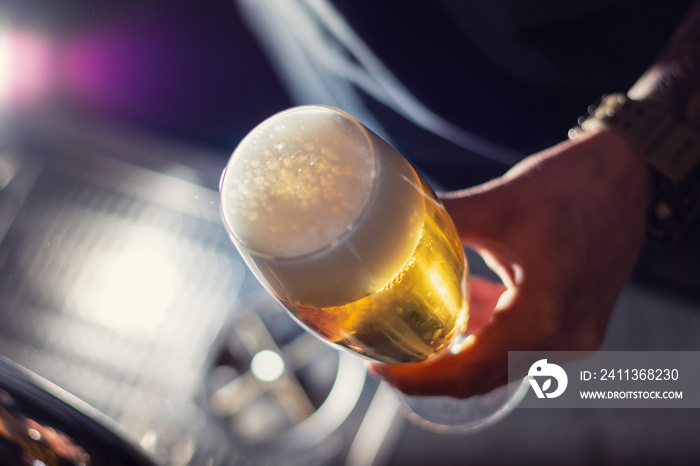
(348, 230)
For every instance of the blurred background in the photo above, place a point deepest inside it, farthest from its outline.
(118, 284)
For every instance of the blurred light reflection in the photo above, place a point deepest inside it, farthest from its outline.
(121, 68)
(25, 66)
(267, 366)
(130, 290)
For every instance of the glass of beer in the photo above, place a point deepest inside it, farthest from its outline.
(353, 242)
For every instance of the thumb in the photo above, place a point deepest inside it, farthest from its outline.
(484, 217)
(481, 214)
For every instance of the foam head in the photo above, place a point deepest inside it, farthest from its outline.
(298, 181)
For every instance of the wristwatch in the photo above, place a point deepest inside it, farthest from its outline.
(668, 146)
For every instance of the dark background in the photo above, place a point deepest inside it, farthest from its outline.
(192, 70)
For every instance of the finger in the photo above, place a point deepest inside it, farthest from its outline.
(482, 362)
(484, 219)
(489, 210)
(483, 296)
(480, 214)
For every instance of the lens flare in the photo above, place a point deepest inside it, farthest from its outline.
(25, 66)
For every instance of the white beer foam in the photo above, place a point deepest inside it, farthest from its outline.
(297, 182)
(311, 238)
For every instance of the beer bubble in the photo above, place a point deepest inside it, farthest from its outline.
(322, 164)
(327, 180)
(329, 194)
(304, 191)
(304, 173)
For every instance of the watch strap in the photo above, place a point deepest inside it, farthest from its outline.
(670, 147)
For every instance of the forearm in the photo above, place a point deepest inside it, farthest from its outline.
(673, 80)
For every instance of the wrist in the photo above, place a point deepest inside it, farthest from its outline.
(619, 160)
(668, 146)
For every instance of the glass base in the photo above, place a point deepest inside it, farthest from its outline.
(448, 415)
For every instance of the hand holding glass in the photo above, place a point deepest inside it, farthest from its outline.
(348, 237)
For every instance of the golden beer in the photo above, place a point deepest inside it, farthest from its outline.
(344, 232)
(415, 314)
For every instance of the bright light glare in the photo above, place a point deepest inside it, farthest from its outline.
(267, 366)
(5, 65)
(131, 289)
(25, 66)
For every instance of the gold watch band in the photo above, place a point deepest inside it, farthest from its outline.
(669, 147)
(666, 144)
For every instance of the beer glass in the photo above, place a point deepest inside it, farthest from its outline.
(354, 243)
